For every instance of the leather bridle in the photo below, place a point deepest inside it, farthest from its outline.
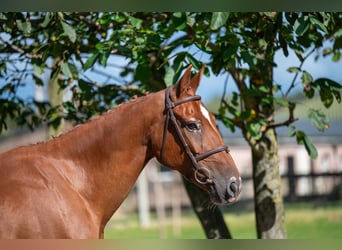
(169, 106)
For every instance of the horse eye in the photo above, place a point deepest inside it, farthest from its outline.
(192, 126)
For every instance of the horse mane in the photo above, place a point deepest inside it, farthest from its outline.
(124, 105)
(92, 120)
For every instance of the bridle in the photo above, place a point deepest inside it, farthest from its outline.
(169, 106)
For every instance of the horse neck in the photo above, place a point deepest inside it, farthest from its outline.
(111, 151)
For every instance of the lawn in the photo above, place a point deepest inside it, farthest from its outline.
(303, 221)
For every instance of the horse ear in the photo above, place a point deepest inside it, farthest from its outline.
(183, 82)
(195, 81)
(188, 86)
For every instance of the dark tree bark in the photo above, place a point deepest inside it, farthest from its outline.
(209, 214)
(268, 200)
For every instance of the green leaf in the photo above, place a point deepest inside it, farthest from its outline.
(338, 43)
(283, 45)
(70, 107)
(255, 127)
(90, 61)
(337, 95)
(338, 33)
(86, 90)
(310, 148)
(306, 77)
(281, 101)
(173, 72)
(327, 97)
(38, 80)
(179, 20)
(66, 70)
(74, 71)
(227, 122)
(294, 70)
(169, 76)
(136, 22)
(292, 131)
(39, 48)
(55, 123)
(42, 107)
(329, 83)
(249, 58)
(103, 58)
(47, 19)
(196, 64)
(2, 17)
(336, 56)
(245, 115)
(318, 24)
(25, 27)
(301, 25)
(230, 52)
(328, 89)
(143, 72)
(69, 31)
(218, 19)
(309, 92)
(55, 73)
(38, 67)
(318, 119)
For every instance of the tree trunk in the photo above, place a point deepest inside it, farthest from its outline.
(56, 99)
(209, 214)
(268, 200)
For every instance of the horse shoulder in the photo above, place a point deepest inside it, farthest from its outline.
(33, 190)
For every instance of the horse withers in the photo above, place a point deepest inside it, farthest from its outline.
(70, 186)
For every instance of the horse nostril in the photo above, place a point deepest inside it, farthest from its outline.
(233, 189)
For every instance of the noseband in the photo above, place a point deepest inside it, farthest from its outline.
(169, 106)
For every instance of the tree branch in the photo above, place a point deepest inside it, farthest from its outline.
(296, 75)
(19, 50)
(238, 78)
(289, 121)
(223, 101)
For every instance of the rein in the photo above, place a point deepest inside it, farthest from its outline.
(169, 106)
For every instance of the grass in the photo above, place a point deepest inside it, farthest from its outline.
(303, 221)
(323, 222)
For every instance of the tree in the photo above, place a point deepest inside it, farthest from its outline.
(256, 38)
(158, 47)
(245, 45)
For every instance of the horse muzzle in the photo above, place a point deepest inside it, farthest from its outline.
(225, 192)
(233, 189)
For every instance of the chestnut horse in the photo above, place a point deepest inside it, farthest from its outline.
(70, 186)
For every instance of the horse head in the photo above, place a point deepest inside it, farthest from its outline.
(192, 144)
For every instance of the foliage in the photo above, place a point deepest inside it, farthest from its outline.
(69, 46)
(250, 50)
